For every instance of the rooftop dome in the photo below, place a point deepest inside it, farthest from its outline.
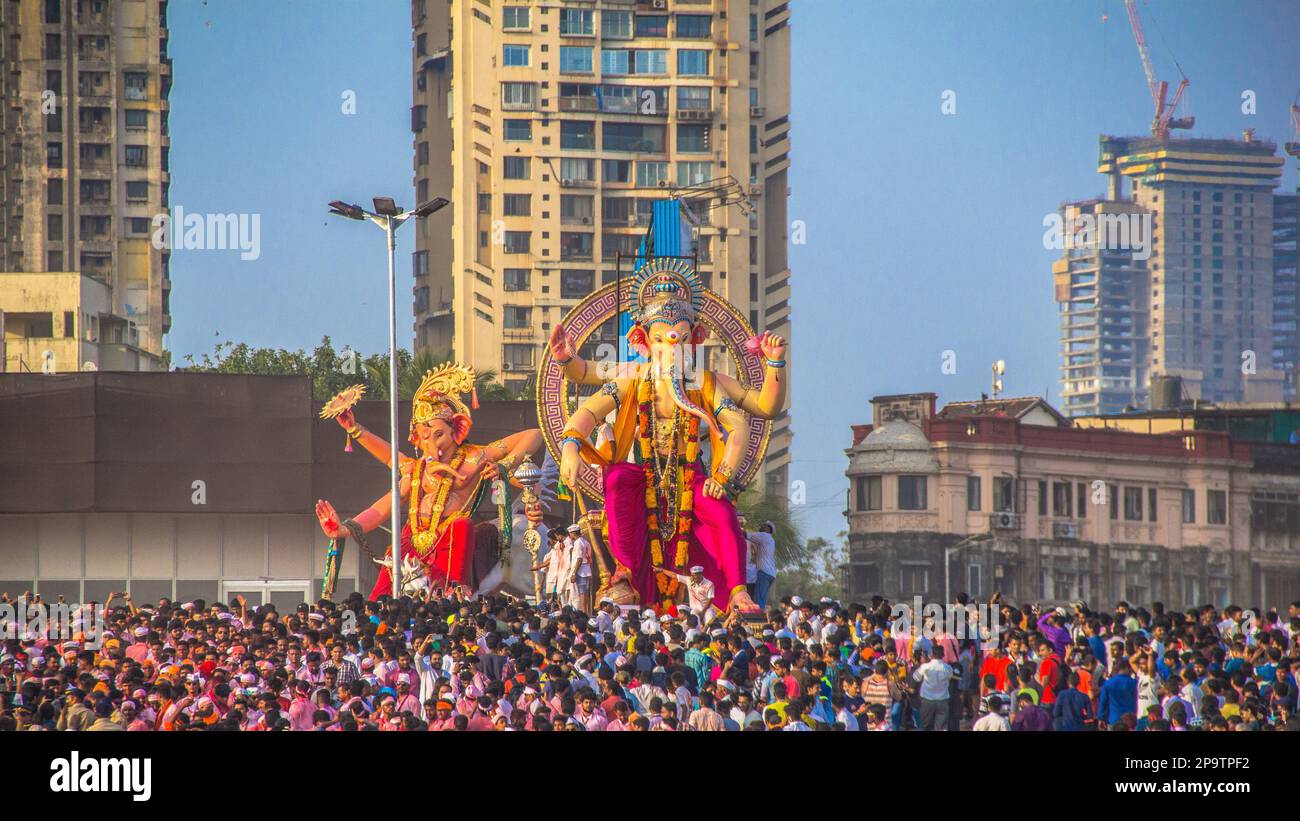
(897, 434)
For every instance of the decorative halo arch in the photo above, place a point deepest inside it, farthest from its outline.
(716, 313)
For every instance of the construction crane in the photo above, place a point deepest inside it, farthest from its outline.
(1164, 120)
(1293, 146)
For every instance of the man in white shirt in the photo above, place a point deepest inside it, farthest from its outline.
(556, 569)
(993, 720)
(699, 592)
(934, 676)
(762, 552)
(580, 567)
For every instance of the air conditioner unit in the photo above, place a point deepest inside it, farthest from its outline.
(659, 5)
(1004, 520)
(586, 220)
(1065, 530)
(757, 111)
(755, 190)
(505, 366)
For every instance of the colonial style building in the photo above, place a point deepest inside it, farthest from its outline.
(1012, 497)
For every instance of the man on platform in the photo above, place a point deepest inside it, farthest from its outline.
(699, 593)
(580, 567)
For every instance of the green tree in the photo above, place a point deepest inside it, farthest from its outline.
(814, 572)
(757, 509)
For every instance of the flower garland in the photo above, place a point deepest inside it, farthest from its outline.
(424, 536)
(685, 488)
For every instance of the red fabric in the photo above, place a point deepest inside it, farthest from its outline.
(455, 545)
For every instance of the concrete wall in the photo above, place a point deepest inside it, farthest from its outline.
(86, 556)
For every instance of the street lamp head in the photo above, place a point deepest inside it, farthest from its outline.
(344, 209)
(435, 204)
(386, 207)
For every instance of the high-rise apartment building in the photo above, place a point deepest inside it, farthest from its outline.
(553, 127)
(1198, 273)
(1286, 293)
(1104, 345)
(83, 170)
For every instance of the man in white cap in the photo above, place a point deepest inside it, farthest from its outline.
(580, 567)
(699, 593)
(762, 549)
(649, 624)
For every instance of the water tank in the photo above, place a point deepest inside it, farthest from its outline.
(1166, 392)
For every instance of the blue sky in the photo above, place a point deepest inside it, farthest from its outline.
(924, 230)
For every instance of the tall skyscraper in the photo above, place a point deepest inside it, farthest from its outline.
(1286, 293)
(83, 170)
(1193, 283)
(554, 128)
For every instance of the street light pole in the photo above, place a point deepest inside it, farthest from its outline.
(389, 217)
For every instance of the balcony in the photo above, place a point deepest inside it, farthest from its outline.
(577, 183)
(578, 104)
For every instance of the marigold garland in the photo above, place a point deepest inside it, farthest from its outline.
(686, 482)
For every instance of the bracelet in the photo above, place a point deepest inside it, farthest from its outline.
(563, 362)
(574, 439)
(355, 432)
(776, 363)
(354, 529)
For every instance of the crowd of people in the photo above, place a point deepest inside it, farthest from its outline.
(452, 661)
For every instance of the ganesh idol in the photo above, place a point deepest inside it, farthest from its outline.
(666, 507)
(441, 489)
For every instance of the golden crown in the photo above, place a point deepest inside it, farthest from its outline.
(438, 396)
(666, 290)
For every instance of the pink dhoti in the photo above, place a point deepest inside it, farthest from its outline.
(448, 561)
(716, 541)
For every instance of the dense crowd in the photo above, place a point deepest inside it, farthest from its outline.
(450, 661)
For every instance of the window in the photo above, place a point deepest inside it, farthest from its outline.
(575, 245)
(517, 95)
(573, 169)
(54, 155)
(576, 209)
(135, 155)
(52, 12)
(692, 62)
(1042, 497)
(617, 210)
(693, 138)
(972, 493)
(694, 98)
(649, 174)
(615, 62)
(518, 357)
(575, 59)
(914, 579)
(518, 130)
(576, 23)
(868, 493)
(516, 205)
(516, 279)
(514, 55)
(911, 493)
(652, 25)
(694, 25)
(650, 61)
(1133, 504)
(694, 173)
(579, 134)
(54, 192)
(517, 316)
(485, 203)
(54, 227)
(53, 47)
(1004, 489)
(136, 119)
(577, 284)
(137, 191)
(616, 25)
(139, 225)
(1112, 496)
(1151, 504)
(137, 85)
(420, 263)
(514, 18)
(517, 242)
(516, 168)
(1061, 501)
(1081, 506)
(53, 262)
(617, 170)
(1189, 506)
(633, 137)
(1216, 507)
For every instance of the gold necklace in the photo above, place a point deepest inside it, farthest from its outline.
(424, 536)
